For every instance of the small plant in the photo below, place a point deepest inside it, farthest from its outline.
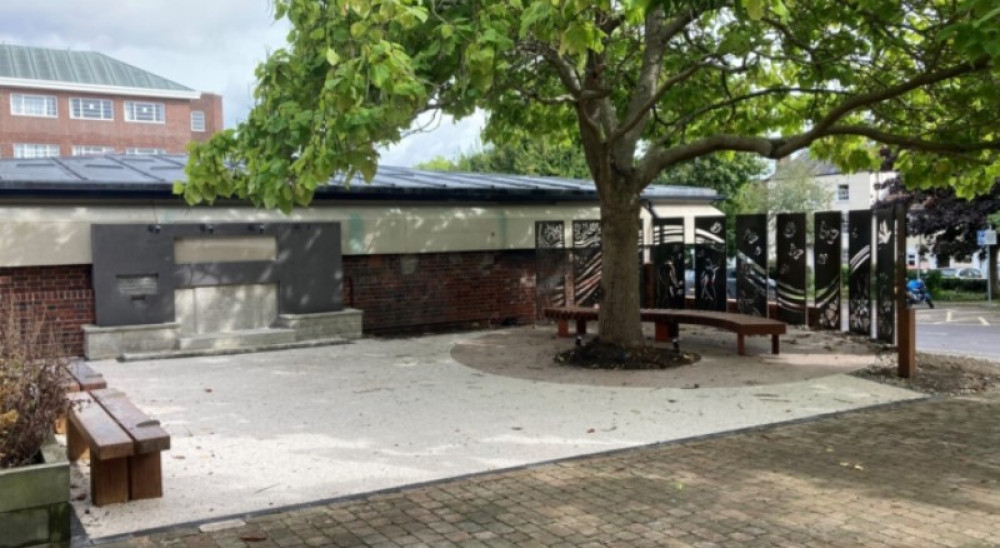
(32, 394)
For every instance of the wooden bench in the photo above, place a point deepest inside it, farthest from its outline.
(122, 443)
(667, 322)
(78, 377)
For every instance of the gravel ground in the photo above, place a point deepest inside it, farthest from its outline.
(937, 374)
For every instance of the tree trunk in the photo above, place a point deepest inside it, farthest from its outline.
(619, 318)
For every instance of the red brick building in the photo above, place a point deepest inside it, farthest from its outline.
(72, 103)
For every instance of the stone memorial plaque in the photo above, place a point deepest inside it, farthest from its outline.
(139, 285)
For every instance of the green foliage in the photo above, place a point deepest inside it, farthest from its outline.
(793, 188)
(525, 156)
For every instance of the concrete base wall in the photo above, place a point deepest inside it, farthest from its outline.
(34, 506)
(102, 343)
(345, 323)
(225, 308)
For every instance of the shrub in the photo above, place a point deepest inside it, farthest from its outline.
(968, 285)
(32, 394)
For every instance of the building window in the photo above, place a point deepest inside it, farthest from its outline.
(33, 105)
(843, 193)
(91, 109)
(151, 113)
(28, 150)
(144, 151)
(197, 120)
(91, 150)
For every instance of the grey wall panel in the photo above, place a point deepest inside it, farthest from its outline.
(828, 250)
(135, 274)
(791, 263)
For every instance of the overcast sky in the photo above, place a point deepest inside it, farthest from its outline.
(208, 45)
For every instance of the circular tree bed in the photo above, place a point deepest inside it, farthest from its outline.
(598, 355)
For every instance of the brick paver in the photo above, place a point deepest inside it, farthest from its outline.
(920, 474)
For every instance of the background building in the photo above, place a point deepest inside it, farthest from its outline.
(72, 103)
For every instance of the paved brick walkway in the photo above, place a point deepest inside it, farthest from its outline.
(920, 474)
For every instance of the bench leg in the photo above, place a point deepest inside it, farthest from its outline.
(76, 446)
(581, 327)
(564, 328)
(145, 477)
(775, 345)
(663, 332)
(741, 344)
(108, 481)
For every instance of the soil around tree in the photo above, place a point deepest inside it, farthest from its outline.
(937, 374)
(596, 354)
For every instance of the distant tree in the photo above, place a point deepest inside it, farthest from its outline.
(523, 156)
(793, 188)
(949, 223)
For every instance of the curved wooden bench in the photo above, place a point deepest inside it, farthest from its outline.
(667, 322)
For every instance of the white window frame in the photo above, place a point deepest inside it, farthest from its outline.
(110, 110)
(144, 151)
(17, 105)
(130, 112)
(92, 150)
(21, 150)
(843, 192)
(200, 115)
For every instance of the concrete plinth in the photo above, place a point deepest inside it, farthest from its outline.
(344, 323)
(101, 343)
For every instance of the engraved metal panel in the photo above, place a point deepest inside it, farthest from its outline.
(751, 264)
(827, 252)
(551, 265)
(791, 263)
(859, 245)
(710, 263)
(668, 262)
(885, 271)
(586, 262)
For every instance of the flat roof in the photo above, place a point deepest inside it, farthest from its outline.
(123, 176)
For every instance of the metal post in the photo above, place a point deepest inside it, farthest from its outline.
(906, 325)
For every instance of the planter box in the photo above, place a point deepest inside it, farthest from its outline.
(34, 507)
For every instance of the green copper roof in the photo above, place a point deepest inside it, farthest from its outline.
(80, 67)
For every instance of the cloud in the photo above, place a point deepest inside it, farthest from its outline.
(207, 45)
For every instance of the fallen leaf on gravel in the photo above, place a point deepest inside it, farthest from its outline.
(179, 457)
(253, 538)
(590, 431)
(845, 464)
(81, 496)
(516, 428)
(208, 390)
(858, 467)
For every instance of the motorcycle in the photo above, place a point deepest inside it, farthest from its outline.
(917, 295)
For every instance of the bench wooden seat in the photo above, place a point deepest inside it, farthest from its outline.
(667, 321)
(79, 376)
(122, 443)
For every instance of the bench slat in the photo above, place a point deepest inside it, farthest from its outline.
(106, 438)
(148, 434)
(85, 375)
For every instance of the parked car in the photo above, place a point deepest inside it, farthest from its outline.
(960, 273)
(969, 273)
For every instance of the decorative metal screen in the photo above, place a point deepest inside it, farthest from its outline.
(668, 262)
(827, 252)
(710, 263)
(586, 262)
(859, 281)
(551, 265)
(791, 262)
(885, 272)
(751, 264)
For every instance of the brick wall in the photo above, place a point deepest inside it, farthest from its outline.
(173, 135)
(61, 293)
(441, 290)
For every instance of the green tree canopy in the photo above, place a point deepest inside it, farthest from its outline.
(641, 85)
